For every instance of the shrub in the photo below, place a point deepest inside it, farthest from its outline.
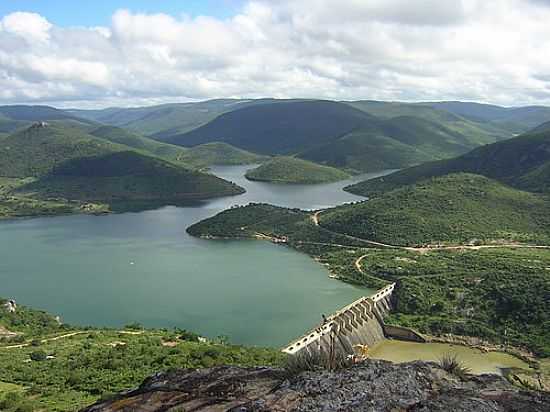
(38, 355)
(452, 365)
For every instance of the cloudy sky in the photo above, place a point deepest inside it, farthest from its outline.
(127, 53)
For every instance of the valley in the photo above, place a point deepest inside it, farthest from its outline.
(163, 229)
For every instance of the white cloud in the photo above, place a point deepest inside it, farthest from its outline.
(494, 51)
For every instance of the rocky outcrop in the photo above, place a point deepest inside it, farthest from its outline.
(373, 385)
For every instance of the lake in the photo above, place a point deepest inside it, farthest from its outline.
(143, 267)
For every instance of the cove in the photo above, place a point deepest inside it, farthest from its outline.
(143, 267)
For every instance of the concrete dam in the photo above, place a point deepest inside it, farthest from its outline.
(358, 324)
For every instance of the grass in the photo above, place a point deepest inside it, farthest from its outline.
(292, 170)
(452, 365)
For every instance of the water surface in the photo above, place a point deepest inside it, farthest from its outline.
(143, 267)
(477, 361)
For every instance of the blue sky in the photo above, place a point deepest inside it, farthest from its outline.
(98, 12)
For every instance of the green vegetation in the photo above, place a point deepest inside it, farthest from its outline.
(218, 153)
(475, 130)
(500, 294)
(451, 364)
(260, 220)
(339, 134)
(35, 151)
(124, 137)
(454, 209)
(166, 120)
(520, 118)
(292, 170)
(364, 151)
(63, 368)
(496, 292)
(61, 169)
(16, 117)
(284, 127)
(522, 162)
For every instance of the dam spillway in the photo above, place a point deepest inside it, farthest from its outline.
(357, 324)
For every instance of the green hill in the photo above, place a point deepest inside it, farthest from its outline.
(477, 132)
(166, 120)
(519, 119)
(337, 134)
(278, 128)
(366, 152)
(218, 153)
(16, 117)
(65, 163)
(127, 176)
(455, 208)
(285, 169)
(391, 144)
(35, 151)
(208, 154)
(522, 162)
(125, 137)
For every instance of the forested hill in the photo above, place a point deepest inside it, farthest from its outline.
(59, 164)
(339, 134)
(279, 128)
(285, 169)
(18, 117)
(456, 208)
(519, 118)
(522, 162)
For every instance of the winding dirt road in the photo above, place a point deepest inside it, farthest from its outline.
(419, 249)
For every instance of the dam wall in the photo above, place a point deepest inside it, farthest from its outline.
(359, 323)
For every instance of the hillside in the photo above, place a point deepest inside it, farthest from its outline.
(521, 119)
(477, 132)
(218, 153)
(457, 208)
(335, 134)
(46, 167)
(391, 144)
(366, 152)
(36, 150)
(163, 121)
(121, 136)
(285, 169)
(16, 117)
(127, 176)
(522, 162)
(278, 128)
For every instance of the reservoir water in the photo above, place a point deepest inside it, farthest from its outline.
(474, 359)
(143, 267)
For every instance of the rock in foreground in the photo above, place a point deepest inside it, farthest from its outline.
(370, 386)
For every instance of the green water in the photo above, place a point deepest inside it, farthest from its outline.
(479, 362)
(143, 267)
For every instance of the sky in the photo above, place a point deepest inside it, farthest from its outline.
(138, 52)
